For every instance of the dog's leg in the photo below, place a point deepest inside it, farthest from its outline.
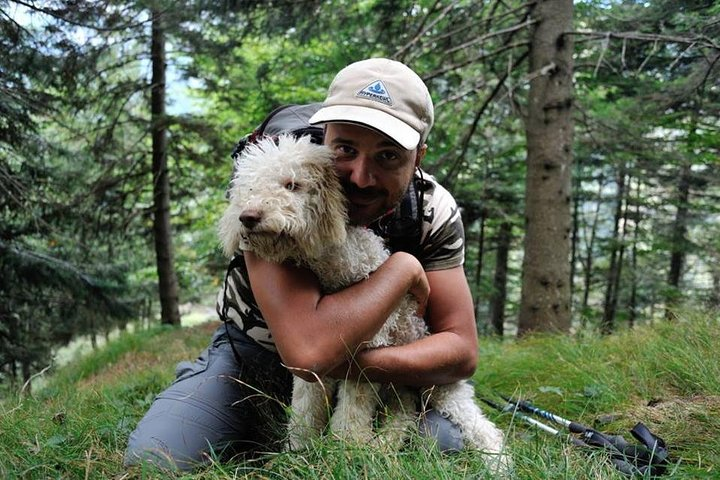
(310, 407)
(353, 417)
(457, 402)
(401, 417)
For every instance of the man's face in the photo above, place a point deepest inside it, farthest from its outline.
(374, 171)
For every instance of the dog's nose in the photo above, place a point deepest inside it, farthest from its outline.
(250, 218)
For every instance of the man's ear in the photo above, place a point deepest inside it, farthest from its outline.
(420, 154)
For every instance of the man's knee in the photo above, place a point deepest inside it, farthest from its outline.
(209, 409)
(446, 433)
(144, 449)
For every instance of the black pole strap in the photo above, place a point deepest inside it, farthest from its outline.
(651, 455)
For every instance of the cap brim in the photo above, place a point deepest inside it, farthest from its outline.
(399, 131)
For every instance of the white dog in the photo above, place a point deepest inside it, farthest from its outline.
(286, 203)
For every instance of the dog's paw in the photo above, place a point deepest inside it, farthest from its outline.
(499, 464)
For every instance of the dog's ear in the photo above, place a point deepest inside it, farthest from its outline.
(229, 231)
(331, 208)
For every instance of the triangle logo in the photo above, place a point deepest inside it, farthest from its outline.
(376, 92)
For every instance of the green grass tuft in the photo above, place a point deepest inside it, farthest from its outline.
(666, 375)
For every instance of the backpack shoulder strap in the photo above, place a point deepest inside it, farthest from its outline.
(402, 229)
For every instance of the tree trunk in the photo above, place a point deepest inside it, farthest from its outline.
(26, 377)
(13, 374)
(632, 305)
(11, 336)
(575, 229)
(590, 251)
(607, 325)
(545, 297)
(497, 304)
(478, 270)
(679, 241)
(167, 280)
(714, 299)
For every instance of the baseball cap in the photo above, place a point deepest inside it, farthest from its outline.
(382, 94)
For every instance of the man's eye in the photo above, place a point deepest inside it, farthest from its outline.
(389, 159)
(344, 151)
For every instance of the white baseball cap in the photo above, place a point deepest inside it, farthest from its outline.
(384, 95)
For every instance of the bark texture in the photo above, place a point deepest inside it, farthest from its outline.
(499, 298)
(167, 279)
(545, 298)
(679, 241)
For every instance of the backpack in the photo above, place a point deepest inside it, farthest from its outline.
(401, 230)
(293, 119)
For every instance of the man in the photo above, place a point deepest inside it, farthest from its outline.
(376, 117)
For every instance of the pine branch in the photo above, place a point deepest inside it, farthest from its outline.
(700, 40)
(53, 13)
(473, 22)
(487, 36)
(422, 30)
(17, 25)
(471, 131)
(37, 261)
(482, 56)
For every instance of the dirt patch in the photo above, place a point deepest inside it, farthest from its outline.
(681, 420)
(207, 327)
(129, 364)
(661, 410)
(172, 347)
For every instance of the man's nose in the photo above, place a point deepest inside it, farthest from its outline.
(360, 172)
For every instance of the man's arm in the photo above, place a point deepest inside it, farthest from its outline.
(316, 333)
(447, 355)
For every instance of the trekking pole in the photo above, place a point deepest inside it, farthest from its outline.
(526, 406)
(510, 408)
(627, 458)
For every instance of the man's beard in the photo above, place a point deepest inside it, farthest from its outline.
(354, 192)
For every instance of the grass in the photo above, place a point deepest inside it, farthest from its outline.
(666, 375)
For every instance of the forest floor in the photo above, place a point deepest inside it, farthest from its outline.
(666, 375)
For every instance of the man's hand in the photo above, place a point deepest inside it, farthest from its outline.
(420, 288)
(447, 355)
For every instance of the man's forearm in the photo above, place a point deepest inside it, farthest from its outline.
(434, 360)
(316, 332)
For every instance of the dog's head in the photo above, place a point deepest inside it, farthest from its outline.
(285, 201)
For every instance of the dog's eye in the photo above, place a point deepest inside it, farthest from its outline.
(291, 186)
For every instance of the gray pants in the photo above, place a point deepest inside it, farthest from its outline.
(219, 406)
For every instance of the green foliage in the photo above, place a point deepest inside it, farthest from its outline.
(662, 375)
(75, 227)
(638, 116)
(665, 375)
(74, 141)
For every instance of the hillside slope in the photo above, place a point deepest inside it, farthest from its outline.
(666, 375)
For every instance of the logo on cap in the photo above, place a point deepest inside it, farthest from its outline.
(377, 92)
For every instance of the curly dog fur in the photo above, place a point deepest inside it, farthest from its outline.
(286, 203)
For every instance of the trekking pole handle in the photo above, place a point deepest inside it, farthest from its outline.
(537, 424)
(629, 459)
(512, 409)
(526, 406)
